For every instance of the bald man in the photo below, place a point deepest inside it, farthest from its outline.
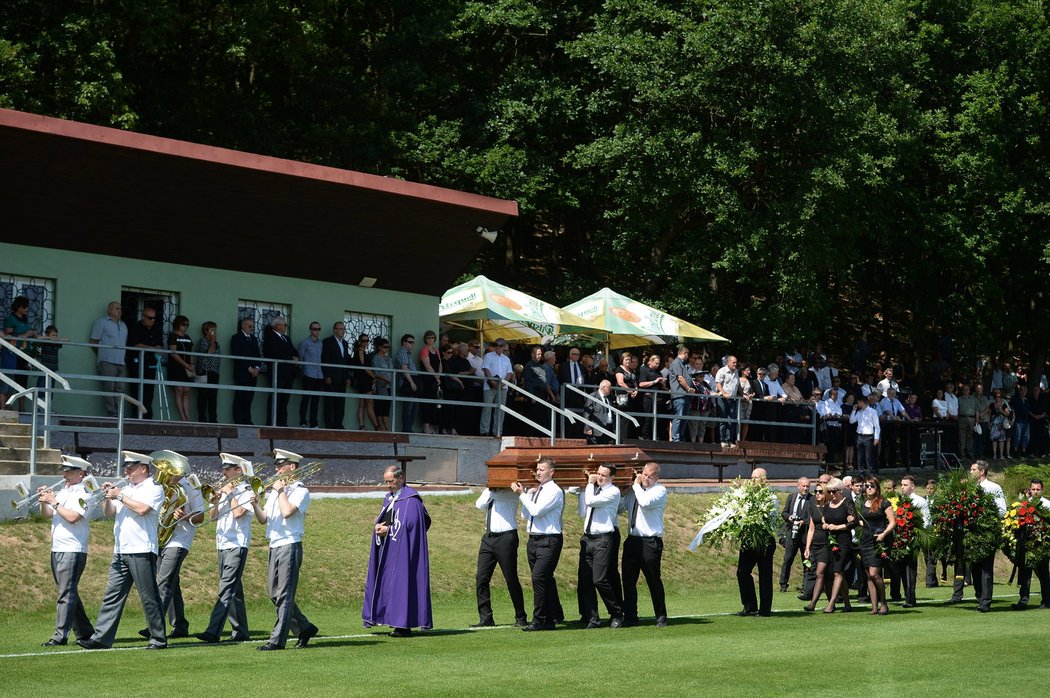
(644, 505)
(763, 559)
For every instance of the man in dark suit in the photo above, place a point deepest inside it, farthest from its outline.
(600, 412)
(794, 515)
(245, 370)
(571, 372)
(277, 345)
(145, 334)
(335, 356)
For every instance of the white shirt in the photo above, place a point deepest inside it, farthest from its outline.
(67, 537)
(773, 387)
(232, 532)
(475, 362)
(182, 536)
(940, 408)
(133, 533)
(600, 506)
(649, 520)
(727, 380)
(997, 492)
(885, 384)
(923, 506)
(575, 372)
(504, 508)
(830, 408)
(839, 399)
(498, 367)
(952, 404)
(824, 375)
(867, 421)
(279, 530)
(542, 508)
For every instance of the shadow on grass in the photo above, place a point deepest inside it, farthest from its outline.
(348, 642)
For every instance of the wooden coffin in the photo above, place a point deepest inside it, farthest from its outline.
(572, 464)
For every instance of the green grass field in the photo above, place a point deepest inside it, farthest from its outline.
(932, 650)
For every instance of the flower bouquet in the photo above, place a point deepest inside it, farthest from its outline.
(1026, 529)
(745, 515)
(965, 514)
(909, 535)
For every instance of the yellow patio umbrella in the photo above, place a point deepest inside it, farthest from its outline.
(496, 311)
(633, 324)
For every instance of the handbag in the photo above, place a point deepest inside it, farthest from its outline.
(621, 399)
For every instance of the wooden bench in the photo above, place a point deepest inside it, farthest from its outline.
(150, 428)
(277, 435)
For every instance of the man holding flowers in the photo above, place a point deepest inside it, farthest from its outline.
(1032, 514)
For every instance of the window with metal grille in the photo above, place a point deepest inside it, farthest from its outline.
(40, 292)
(263, 313)
(367, 323)
(165, 303)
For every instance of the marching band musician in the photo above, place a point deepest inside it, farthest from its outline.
(69, 541)
(285, 517)
(135, 509)
(233, 534)
(173, 554)
(644, 505)
(542, 506)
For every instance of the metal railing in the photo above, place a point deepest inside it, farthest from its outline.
(50, 377)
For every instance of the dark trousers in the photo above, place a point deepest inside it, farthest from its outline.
(501, 549)
(599, 554)
(544, 552)
(982, 576)
(208, 400)
(791, 549)
(909, 574)
(833, 441)
(727, 410)
(308, 403)
(931, 570)
(334, 405)
(169, 565)
(891, 570)
(642, 555)
(285, 379)
(888, 444)
(67, 568)
(747, 562)
(1024, 581)
(242, 401)
(865, 455)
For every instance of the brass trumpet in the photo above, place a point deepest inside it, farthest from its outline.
(96, 496)
(28, 499)
(229, 502)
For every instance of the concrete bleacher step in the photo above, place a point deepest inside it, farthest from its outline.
(19, 467)
(14, 429)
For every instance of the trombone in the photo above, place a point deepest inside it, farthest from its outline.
(28, 499)
(229, 502)
(295, 475)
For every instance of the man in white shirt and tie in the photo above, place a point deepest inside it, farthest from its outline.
(542, 508)
(499, 545)
(643, 550)
(598, 505)
(868, 434)
(1042, 569)
(909, 568)
(135, 509)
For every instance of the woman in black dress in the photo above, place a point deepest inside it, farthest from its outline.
(180, 365)
(430, 360)
(650, 378)
(628, 398)
(829, 542)
(878, 520)
(363, 382)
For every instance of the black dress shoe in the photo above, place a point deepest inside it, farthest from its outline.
(269, 647)
(490, 624)
(521, 623)
(783, 587)
(764, 614)
(157, 647)
(1019, 606)
(802, 597)
(144, 633)
(176, 634)
(907, 605)
(535, 627)
(91, 645)
(305, 636)
(593, 625)
(401, 632)
(746, 612)
(661, 622)
(205, 637)
(616, 622)
(54, 643)
(245, 638)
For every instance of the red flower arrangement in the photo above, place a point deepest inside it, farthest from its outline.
(908, 532)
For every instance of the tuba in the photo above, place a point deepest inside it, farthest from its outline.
(170, 465)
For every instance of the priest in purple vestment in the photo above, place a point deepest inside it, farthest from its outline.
(397, 590)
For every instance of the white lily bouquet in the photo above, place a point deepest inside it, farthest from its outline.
(746, 515)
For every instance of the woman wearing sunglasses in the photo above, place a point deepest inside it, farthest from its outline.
(829, 541)
(878, 521)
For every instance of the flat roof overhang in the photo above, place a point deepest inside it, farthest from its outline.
(76, 186)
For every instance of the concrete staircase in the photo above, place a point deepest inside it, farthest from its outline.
(15, 449)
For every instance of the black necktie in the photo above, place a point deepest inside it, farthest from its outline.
(488, 516)
(590, 514)
(634, 514)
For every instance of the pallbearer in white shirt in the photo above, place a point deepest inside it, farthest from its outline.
(233, 534)
(542, 508)
(135, 509)
(598, 504)
(174, 552)
(643, 550)
(285, 517)
(499, 545)
(69, 541)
